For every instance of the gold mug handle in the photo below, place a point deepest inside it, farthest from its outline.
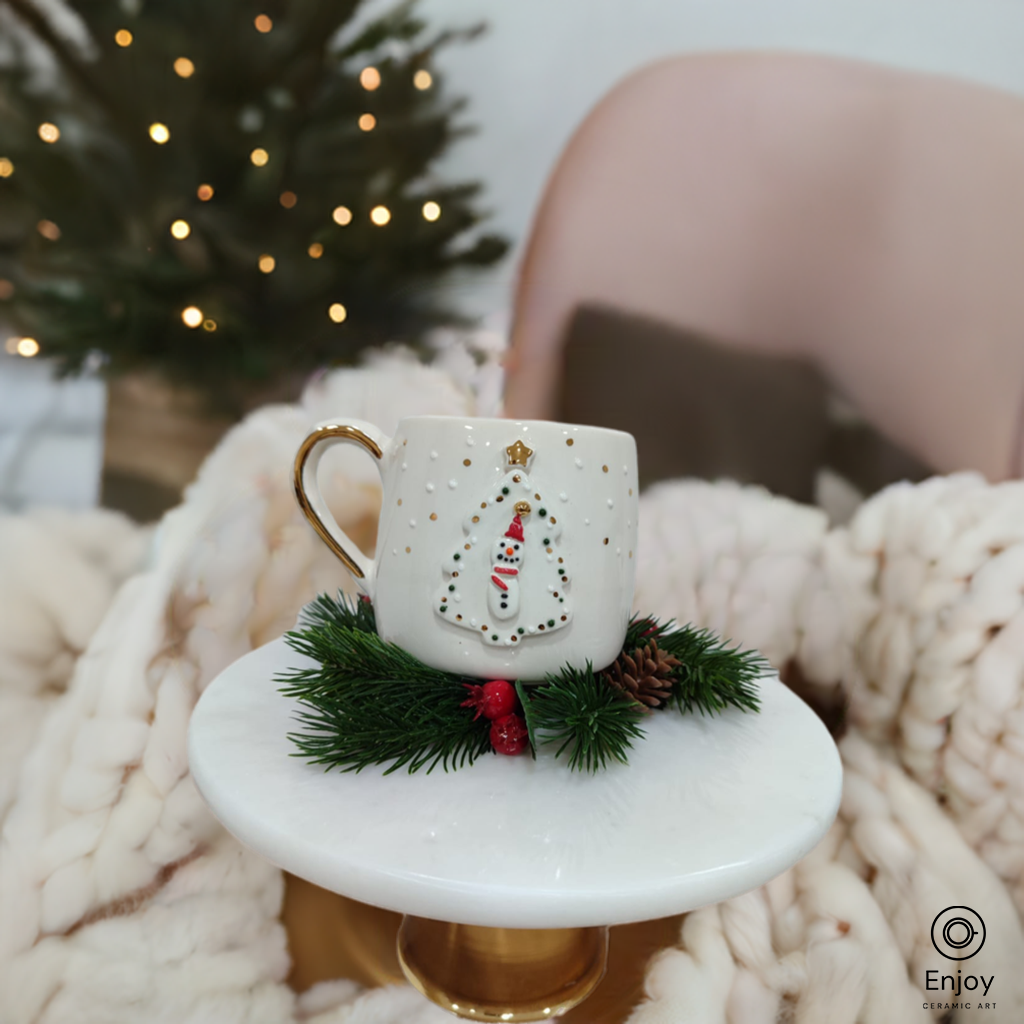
(307, 491)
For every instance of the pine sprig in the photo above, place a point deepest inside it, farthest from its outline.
(351, 612)
(711, 676)
(591, 722)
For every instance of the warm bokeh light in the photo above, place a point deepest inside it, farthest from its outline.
(367, 122)
(205, 192)
(28, 347)
(369, 79)
(181, 229)
(267, 263)
(316, 250)
(159, 133)
(6, 289)
(6, 167)
(288, 199)
(422, 79)
(263, 23)
(123, 37)
(337, 312)
(342, 215)
(48, 230)
(431, 210)
(259, 157)
(49, 132)
(209, 325)
(184, 68)
(192, 316)
(380, 215)
(11, 346)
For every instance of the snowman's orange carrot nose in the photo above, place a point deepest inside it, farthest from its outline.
(510, 551)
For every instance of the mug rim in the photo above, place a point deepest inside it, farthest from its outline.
(506, 421)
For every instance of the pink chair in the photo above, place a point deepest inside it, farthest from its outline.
(868, 220)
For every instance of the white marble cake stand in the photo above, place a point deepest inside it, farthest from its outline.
(529, 862)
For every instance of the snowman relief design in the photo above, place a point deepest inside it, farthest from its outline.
(507, 578)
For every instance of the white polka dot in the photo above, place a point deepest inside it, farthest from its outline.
(472, 622)
(430, 488)
(412, 523)
(579, 463)
(471, 440)
(586, 522)
(405, 466)
(611, 504)
(394, 551)
(458, 597)
(472, 540)
(453, 484)
(433, 455)
(563, 496)
(551, 558)
(625, 470)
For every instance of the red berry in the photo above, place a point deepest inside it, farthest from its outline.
(509, 735)
(495, 699)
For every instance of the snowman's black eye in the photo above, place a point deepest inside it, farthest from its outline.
(517, 547)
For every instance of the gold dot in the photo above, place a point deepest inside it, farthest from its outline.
(631, 492)
(467, 547)
(180, 229)
(192, 316)
(553, 520)
(631, 554)
(604, 469)
(337, 312)
(458, 618)
(49, 132)
(28, 347)
(561, 560)
(476, 519)
(205, 192)
(6, 167)
(399, 501)
(433, 515)
(483, 504)
(159, 133)
(467, 462)
(288, 199)
(483, 629)
(259, 157)
(550, 551)
(407, 550)
(454, 574)
(564, 617)
(569, 441)
(210, 325)
(184, 68)
(263, 23)
(367, 122)
(267, 263)
(514, 638)
(342, 215)
(422, 79)
(123, 37)
(516, 478)
(606, 540)
(537, 496)
(369, 79)
(380, 215)
(316, 250)
(48, 230)
(431, 210)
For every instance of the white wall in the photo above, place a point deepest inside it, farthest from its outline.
(546, 62)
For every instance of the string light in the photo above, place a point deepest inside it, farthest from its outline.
(49, 132)
(422, 79)
(263, 23)
(184, 68)
(28, 347)
(380, 215)
(159, 133)
(431, 210)
(123, 37)
(267, 263)
(337, 312)
(316, 250)
(367, 122)
(48, 230)
(209, 325)
(191, 316)
(259, 157)
(205, 192)
(369, 79)
(181, 229)
(288, 199)
(6, 167)
(342, 215)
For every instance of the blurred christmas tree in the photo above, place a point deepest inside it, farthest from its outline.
(230, 193)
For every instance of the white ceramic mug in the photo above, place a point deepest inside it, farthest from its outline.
(506, 549)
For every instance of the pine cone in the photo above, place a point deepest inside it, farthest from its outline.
(646, 674)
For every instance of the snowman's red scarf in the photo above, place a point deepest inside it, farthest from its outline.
(505, 572)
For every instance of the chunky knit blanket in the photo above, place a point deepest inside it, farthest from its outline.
(123, 900)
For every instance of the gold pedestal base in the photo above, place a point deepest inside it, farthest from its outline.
(502, 974)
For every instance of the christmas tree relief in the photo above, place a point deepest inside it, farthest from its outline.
(506, 578)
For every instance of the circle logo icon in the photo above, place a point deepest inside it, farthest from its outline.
(958, 933)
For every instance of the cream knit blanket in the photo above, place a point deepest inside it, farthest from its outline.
(122, 899)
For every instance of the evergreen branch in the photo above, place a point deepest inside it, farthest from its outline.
(590, 721)
(344, 611)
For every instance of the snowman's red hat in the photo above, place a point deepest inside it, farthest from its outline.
(515, 531)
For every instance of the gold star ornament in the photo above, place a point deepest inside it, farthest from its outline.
(518, 454)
